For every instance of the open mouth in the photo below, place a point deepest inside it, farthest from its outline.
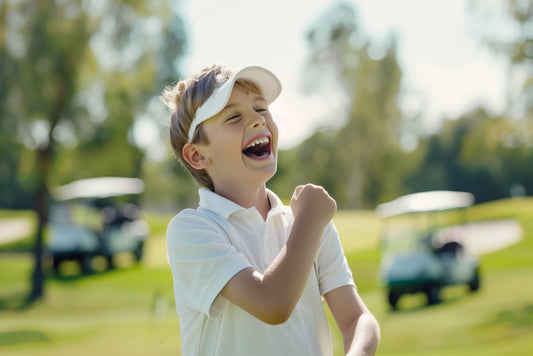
(258, 148)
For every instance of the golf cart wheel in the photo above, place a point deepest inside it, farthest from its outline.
(110, 263)
(474, 283)
(393, 299)
(85, 264)
(432, 293)
(138, 253)
(55, 263)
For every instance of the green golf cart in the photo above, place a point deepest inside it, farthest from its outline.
(421, 251)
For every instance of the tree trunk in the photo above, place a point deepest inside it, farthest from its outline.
(37, 279)
(42, 196)
(42, 210)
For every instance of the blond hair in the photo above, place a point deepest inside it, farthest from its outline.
(183, 99)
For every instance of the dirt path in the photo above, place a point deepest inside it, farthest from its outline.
(479, 238)
(485, 237)
(14, 229)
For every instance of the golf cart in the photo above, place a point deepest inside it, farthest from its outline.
(96, 217)
(420, 251)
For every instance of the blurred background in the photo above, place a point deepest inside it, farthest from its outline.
(381, 99)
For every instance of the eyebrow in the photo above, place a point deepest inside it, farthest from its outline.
(230, 106)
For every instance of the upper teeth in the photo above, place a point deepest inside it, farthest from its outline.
(258, 142)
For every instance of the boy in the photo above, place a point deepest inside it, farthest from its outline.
(249, 272)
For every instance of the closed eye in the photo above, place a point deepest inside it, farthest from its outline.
(233, 118)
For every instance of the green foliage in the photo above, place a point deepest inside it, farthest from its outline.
(362, 163)
(487, 155)
(76, 75)
(515, 44)
(169, 186)
(354, 162)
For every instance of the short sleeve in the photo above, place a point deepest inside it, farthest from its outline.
(332, 267)
(202, 261)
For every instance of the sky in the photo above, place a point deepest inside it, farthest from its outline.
(446, 72)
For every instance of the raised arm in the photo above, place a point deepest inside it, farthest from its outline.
(358, 327)
(272, 296)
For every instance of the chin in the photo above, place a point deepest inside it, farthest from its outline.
(268, 172)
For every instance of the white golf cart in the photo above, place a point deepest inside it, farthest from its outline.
(96, 217)
(420, 249)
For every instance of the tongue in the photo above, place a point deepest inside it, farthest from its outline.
(257, 150)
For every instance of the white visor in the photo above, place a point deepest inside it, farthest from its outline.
(267, 82)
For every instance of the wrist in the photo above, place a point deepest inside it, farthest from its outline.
(310, 225)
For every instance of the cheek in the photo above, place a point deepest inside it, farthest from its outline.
(274, 131)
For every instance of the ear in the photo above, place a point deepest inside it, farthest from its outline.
(195, 157)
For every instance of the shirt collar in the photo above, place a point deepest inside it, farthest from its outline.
(225, 207)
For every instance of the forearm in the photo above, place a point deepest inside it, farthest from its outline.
(272, 296)
(362, 337)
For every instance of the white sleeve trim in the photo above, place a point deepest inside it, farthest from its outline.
(333, 269)
(336, 282)
(214, 303)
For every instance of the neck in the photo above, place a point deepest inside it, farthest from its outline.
(248, 198)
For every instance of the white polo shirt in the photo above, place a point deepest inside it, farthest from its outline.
(209, 245)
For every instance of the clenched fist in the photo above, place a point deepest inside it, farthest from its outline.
(313, 203)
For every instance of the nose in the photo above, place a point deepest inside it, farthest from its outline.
(257, 120)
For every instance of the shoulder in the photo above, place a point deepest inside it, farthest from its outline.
(192, 218)
(192, 222)
(185, 217)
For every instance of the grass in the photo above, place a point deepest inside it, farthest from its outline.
(125, 311)
(130, 310)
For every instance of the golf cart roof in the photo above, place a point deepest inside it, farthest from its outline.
(97, 188)
(436, 200)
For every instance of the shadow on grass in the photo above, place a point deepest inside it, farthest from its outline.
(14, 301)
(22, 337)
(17, 299)
(417, 302)
(518, 318)
(69, 271)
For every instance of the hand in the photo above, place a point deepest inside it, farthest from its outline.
(313, 203)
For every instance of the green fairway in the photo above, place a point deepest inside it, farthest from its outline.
(130, 311)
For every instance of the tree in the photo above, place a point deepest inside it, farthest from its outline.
(486, 155)
(506, 27)
(75, 74)
(354, 162)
